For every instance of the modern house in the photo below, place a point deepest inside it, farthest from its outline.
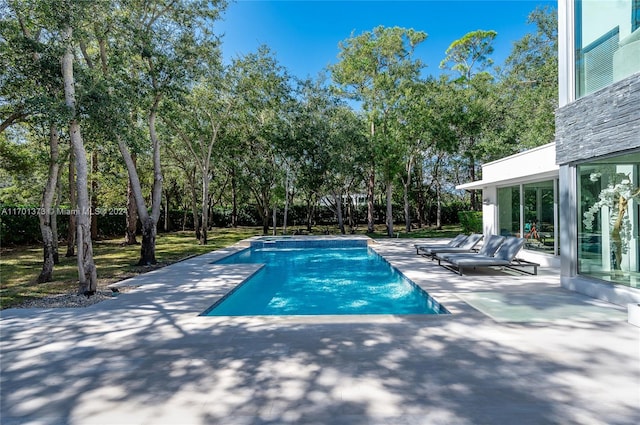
(581, 193)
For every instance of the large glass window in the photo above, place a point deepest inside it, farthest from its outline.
(607, 37)
(539, 213)
(609, 219)
(529, 211)
(509, 211)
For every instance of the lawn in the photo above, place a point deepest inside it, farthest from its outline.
(20, 266)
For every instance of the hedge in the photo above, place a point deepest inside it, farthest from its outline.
(471, 221)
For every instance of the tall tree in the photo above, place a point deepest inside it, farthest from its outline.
(162, 41)
(530, 84)
(200, 122)
(262, 90)
(373, 68)
(88, 279)
(32, 94)
(470, 57)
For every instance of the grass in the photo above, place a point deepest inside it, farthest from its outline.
(20, 266)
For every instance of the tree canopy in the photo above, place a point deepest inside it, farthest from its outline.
(144, 115)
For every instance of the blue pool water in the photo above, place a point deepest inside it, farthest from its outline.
(320, 281)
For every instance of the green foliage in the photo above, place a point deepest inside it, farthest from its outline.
(530, 87)
(470, 54)
(278, 139)
(471, 221)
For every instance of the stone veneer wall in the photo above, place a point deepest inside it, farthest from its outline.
(600, 123)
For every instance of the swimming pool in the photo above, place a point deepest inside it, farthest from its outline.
(321, 278)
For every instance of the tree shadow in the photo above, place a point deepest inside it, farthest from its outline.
(149, 357)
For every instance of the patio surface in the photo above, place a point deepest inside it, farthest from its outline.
(516, 350)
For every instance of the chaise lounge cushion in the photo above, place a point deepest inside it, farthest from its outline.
(504, 256)
(489, 248)
(467, 246)
(455, 242)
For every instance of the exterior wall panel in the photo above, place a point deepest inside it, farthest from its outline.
(602, 123)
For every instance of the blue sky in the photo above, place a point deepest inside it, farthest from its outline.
(304, 34)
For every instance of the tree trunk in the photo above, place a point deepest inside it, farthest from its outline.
(132, 214)
(194, 203)
(54, 219)
(94, 195)
(286, 207)
(309, 214)
(147, 252)
(234, 199)
(337, 199)
(438, 206)
(407, 209)
(275, 220)
(205, 206)
(473, 193)
(71, 233)
(167, 225)
(148, 221)
(421, 200)
(45, 212)
(87, 275)
(406, 186)
(389, 202)
(265, 215)
(350, 215)
(371, 186)
(148, 246)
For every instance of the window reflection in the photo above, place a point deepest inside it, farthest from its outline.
(539, 216)
(608, 219)
(538, 225)
(607, 37)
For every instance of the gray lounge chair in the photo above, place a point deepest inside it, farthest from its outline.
(505, 256)
(490, 246)
(455, 242)
(468, 245)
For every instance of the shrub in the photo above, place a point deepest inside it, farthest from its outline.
(471, 221)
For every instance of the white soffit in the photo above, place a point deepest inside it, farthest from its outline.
(532, 165)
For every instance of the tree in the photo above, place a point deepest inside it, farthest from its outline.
(470, 57)
(200, 122)
(162, 44)
(32, 88)
(373, 68)
(530, 85)
(88, 279)
(261, 88)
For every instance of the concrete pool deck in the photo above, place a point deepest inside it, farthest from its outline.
(517, 349)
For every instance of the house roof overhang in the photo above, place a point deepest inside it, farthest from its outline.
(533, 165)
(482, 184)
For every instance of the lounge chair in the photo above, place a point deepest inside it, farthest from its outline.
(468, 245)
(455, 242)
(505, 256)
(490, 246)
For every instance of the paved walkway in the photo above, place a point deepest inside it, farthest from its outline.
(146, 357)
